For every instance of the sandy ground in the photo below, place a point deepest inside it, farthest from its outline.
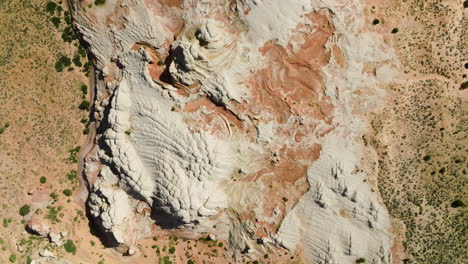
(414, 142)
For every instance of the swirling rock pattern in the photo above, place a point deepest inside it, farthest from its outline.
(238, 113)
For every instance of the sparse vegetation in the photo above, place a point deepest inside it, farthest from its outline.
(73, 152)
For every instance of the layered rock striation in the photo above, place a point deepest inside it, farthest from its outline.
(244, 115)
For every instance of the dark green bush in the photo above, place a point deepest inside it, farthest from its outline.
(457, 203)
(70, 246)
(67, 192)
(12, 258)
(77, 61)
(50, 7)
(24, 210)
(84, 105)
(464, 85)
(55, 21)
(99, 2)
(361, 260)
(375, 22)
(81, 51)
(43, 180)
(68, 35)
(61, 63)
(84, 89)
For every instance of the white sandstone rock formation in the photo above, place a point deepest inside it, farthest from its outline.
(245, 114)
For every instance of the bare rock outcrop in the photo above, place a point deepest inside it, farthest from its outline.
(244, 115)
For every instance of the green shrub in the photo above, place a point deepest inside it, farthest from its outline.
(190, 261)
(67, 19)
(465, 4)
(171, 250)
(12, 258)
(77, 61)
(2, 129)
(81, 51)
(84, 89)
(54, 196)
(62, 62)
(361, 260)
(24, 210)
(7, 124)
(55, 21)
(457, 203)
(50, 7)
(84, 105)
(67, 192)
(68, 35)
(43, 180)
(394, 30)
(70, 246)
(375, 22)
(73, 152)
(464, 85)
(99, 2)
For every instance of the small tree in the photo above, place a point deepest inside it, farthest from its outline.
(457, 203)
(43, 180)
(85, 104)
(70, 246)
(24, 210)
(67, 192)
(99, 2)
(84, 89)
(171, 250)
(12, 258)
(50, 7)
(55, 21)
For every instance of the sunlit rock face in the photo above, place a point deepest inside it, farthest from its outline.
(245, 115)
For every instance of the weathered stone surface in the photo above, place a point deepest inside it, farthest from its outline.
(243, 115)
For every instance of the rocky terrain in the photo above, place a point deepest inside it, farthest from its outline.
(243, 131)
(213, 119)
